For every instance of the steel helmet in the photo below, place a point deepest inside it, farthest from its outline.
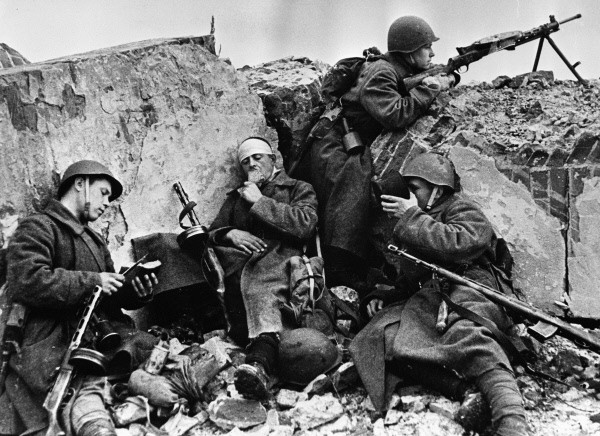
(434, 168)
(304, 353)
(408, 34)
(84, 168)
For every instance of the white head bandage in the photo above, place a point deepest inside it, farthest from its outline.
(252, 146)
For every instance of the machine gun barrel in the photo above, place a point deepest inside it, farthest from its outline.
(544, 30)
(564, 328)
(566, 20)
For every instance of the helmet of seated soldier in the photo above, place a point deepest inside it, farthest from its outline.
(88, 168)
(408, 34)
(305, 353)
(433, 168)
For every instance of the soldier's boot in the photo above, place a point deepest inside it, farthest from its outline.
(500, 389)
(252, 379)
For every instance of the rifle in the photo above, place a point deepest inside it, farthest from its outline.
(66, 371)
(496, 43)
(559, 326)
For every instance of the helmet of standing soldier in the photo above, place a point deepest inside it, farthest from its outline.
(86, 168)
(408, 34)
(305, 353)
(433, 168)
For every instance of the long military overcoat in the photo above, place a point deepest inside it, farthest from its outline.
(52, 270)
(456, 235)
(376, 102)
(285, 218)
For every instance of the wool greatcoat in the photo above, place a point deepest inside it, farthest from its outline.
(53, 263)
(454, 234)
(285, 218)
(376, 102)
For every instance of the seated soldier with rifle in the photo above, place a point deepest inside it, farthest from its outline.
(341, 176)
(55, 262)
(259, 228)
(414, 332)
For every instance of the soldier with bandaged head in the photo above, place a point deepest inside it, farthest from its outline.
(261, 225)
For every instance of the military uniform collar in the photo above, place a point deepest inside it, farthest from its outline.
(401, 67)
(441, 203)
(59, 212)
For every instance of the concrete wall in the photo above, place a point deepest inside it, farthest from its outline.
(154, 112)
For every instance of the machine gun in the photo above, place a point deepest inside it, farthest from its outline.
(496, 43)
(194, 239)
(556, 325)
(66, 371)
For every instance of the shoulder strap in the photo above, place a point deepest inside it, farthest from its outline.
(93, 247)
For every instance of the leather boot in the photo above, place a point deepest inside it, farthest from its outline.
(251, 381)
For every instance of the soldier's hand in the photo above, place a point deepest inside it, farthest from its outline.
(374, 306)
(396, 206)
(245, 241)
(250, 192)
(144, 286)
(111, 282)
(441, 81)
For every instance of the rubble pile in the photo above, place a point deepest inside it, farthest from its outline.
(336, 403)
(526, 148)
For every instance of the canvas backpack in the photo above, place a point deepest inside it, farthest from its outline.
(341, 76)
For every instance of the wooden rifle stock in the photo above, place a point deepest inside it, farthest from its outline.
(565, 329)
(57, 394)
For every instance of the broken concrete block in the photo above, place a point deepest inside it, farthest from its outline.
(392, 416)
(290, 90)
(316, 411)
(319, 385)
(445, 407)
(413, 403)
(340, 426)
(536, 244)
(433, 424)
(228, 413)
(287, 399)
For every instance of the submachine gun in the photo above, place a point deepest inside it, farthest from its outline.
(194, 239)
(545, 322)
(496, 43)
(56, 396)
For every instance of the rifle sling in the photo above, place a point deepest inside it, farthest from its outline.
(517, 352)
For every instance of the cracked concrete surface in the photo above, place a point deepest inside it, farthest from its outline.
(154, 112)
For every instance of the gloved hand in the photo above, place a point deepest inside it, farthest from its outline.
(441, 81)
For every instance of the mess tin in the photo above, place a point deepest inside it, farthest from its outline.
(392, 183)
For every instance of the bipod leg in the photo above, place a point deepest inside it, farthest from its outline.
(537, 55)
(566, 61)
